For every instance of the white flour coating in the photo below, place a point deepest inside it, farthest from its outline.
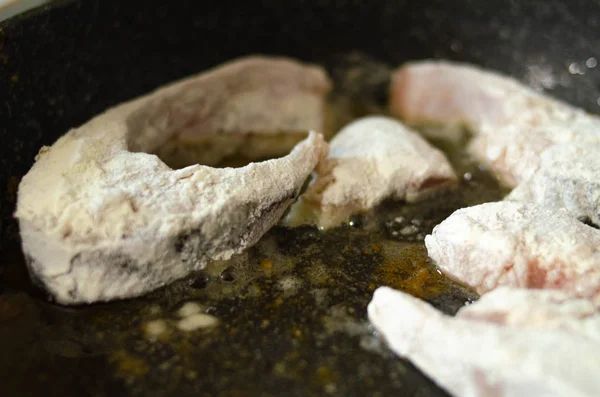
(541, 338)
(511, 343)
(568, 177)
(534, 309)
(511, 124)
(197, 321)
(189, 308)
(255, 107)
(546, 149)
(372, 159)
(518, 245)
(99, 222)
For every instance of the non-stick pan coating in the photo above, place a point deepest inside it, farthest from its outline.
(61, 65)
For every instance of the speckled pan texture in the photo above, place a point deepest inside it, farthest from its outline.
(10, 8)
(287, 317)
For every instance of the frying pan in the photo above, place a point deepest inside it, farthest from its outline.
(64, 63)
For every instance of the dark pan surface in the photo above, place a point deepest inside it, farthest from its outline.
(59, 66)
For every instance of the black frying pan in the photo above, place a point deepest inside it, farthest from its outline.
(61, 65)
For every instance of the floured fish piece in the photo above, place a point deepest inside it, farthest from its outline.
(568, 177)
(99, 222)
(519, 245)
(491, 348)
(253, 108)
(534, 309)
(512, 125)
(370, 160)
